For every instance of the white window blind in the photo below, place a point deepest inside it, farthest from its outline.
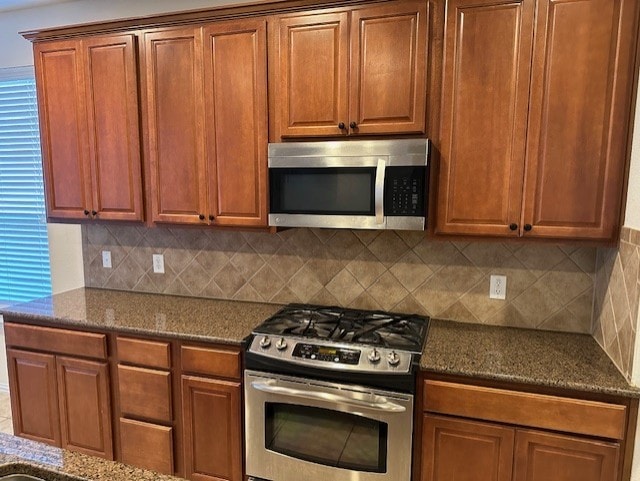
(24, 247)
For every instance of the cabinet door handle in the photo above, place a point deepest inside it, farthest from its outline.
(341, 125)
(86, 212)
(353, 125)
(211, 218)
(94, 213)
(528, 227)
(201, 217)
(513, 226)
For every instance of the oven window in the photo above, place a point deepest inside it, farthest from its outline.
(326, 191)
(327, 437)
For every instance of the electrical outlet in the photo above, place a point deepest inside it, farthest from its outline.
(498, 287)
(158, 263)
(106, 259)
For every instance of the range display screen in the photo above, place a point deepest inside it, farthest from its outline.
(326, 354)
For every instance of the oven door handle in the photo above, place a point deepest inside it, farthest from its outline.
(381, 405)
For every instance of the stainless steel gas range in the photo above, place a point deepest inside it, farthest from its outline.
(329, 394)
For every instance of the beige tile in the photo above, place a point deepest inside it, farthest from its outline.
(212, 261)
(229, 280)
(435, 296)
(98, 234)
(410, 237)
(487, 255)
(634, 237)
(409, 305)
(195, 277)
(411, 271)
(613, 350)
(598, 336)
(284, 296)
(304, 243)
(127, 236)
(458, 312)
(477, 301)
(227, 241)
(325, 265)
(145, 284)
(387, 291)
(460, 278)
(436, 254)
(212, 290)
(192, 239)
(266, 283)
(366, 236)
(564, 320)
(519, 278)
(540, 258)
(537, 303)
(626, 341)
(179, 258)
(285, 263)
(125, 276)
(97, 275)
(246, 293)
(324, 298)
(177, 288)
(617, 290)
(345, 245)
(324, 235)
(625, 234)
(568, 249)
(388, 248)
(582, 310)
(365, 301)
(366, 268)
(162, 281)
(246, 261)
(263, 244)
(567, 280)
(344, 287)
(159, 238)
(304, 284)
(607, 322)
(510, 316)
(585, 259)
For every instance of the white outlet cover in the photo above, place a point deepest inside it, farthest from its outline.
(106, 259)
(158, 263)
(498, 287)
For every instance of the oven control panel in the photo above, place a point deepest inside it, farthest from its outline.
(327, 353)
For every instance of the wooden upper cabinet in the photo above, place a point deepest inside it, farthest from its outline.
(63, 128)
(114, 137)
(388, 69)
(174, 111)
(235, 73)
(87, 97)
(312, 92)
(543, 456)
(582, 81)
(486, 72)
(350, 72)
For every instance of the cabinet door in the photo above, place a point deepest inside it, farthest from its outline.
(63, 128)
(112, 112)
(235, 69)
(212, 429)
(34, 396)
(579, 117)
(388, 69)
(484, 114)
(174, 113)
(85, 407)
(459, 450)
(312, 96)
(545, 456)
(147, 446)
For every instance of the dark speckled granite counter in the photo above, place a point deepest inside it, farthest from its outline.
(561, 360)
(20, 456)
(151, 314)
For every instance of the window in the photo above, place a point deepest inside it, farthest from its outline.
(24, 246)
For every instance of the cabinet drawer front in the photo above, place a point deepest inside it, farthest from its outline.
(60, 341)
(215, 362)
(144, 353)
(526, 409)
(145, 393)
(147, 445)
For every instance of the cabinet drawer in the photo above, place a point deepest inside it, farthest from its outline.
(145, 393)
(578, 416)
(144, 353)
(147, 445)
(59, 341)
(215, 362)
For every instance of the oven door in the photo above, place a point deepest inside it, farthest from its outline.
(317, 431)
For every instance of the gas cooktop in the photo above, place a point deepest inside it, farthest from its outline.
(341, 339)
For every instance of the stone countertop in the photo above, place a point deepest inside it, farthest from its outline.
(526, 356)
(186, 318)
(21, 456)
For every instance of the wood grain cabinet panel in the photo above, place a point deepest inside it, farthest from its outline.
(145, 393)
(354, 71)
(34, 396)
(235, 74)
(85, 406)
(88, 104)
(147, 446)
(577, 140)
(212, 414)
(486, 73)
(546, 456)
(461, 450)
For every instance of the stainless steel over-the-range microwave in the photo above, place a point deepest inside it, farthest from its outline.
(359, 184)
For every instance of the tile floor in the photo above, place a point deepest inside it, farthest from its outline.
(5, 414)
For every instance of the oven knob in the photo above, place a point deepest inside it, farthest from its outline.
(374, 356)
(281, 344)
(393, 359)
(265, 342)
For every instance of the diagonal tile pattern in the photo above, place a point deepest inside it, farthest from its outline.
(617, 298)
(549, 287)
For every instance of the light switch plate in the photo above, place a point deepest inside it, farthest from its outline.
(106, 259)
(498, 287)
(158, 263)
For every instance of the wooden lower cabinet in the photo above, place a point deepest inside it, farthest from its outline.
(147, 446)
(462, 450)
(543, 456)
(34, 396)
(212, 419)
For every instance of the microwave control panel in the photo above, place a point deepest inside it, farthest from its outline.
(404, 192)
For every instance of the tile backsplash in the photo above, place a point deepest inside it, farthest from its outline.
(548, 286)
(617, 297)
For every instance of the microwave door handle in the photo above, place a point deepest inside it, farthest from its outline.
(381, 405)
(379, 190)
